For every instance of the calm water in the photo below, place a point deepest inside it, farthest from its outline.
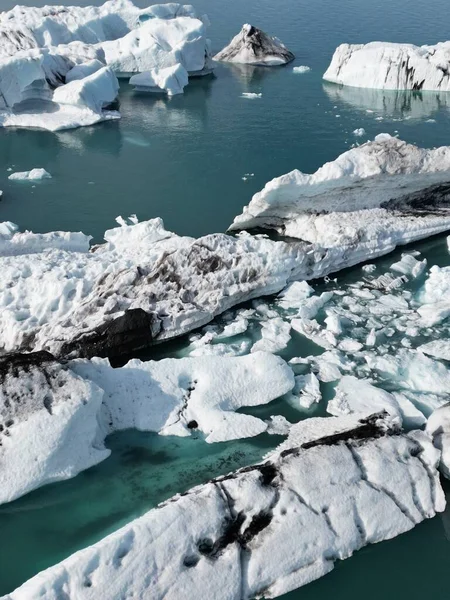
(184, 159)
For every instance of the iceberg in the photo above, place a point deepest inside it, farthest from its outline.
(369, 200)
(172, 80)
(266, 529)
(159, 44)
(36, 174)
(388, 66)
(54, 416)
(252, 46)
(56, 88)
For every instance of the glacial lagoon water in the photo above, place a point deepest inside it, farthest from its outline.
(183, 159)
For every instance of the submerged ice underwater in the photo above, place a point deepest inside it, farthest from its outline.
(299, 379)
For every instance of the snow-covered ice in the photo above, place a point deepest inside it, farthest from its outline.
(54, 417)
(384, 65)
(434, 296)
(301, 69)
(275, 335)
(369, 200)
(437, 349)
(35, 174)
(254, 47)
(267, 529)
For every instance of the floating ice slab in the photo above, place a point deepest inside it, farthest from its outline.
(34, 175)
(302, 69)
(369, 200)
(410, 266)
(437, 349)
(264, 530)
(254, 47)
(389, 66)
(54, 417)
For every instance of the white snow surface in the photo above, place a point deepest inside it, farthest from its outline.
(35, 174)
(55, 417)
(388, 66)
(364, 201)
(254, 47)
(313, 505)
(172, 80)
(438, 426)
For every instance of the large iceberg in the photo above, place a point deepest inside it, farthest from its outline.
(54, 417)
(266, 529)
(366, 202)
(161, 43)
(254, 47)
(389, 66)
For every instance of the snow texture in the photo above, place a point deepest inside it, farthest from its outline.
(266, 529)
(254, 47)
(54, 417)
(388, 66)
(438, 426)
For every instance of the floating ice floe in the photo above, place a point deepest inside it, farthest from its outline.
(266, 529)
(250, 95)
(254, 47)
(54, 417)
(367, 201)
(434, 296)
(438, 426)
(390, 66)
(359, 132)
(34, 175)
(410, 266)
(437, 349)
(301, 69)
(172, 80)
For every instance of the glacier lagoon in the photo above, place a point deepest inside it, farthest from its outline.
(184, 160)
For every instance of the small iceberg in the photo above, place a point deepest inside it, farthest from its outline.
(254, 47)
(33, 175)
(301, 69)
(250, 95)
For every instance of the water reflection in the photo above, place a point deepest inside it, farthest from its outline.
(250, 74)
(394, 104)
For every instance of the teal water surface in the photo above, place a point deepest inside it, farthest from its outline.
(183, 159)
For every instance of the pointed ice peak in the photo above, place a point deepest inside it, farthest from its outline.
(252, 46)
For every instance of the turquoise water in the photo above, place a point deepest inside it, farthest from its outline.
(183, 159)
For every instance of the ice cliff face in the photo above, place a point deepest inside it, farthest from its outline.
(254, 47)
(391, 66)
(367, 201)
(268, 528)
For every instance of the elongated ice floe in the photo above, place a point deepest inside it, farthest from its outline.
(54, 417)
(390, 66)
(369, 200)
(35, 174)
(266, 529)
(254, 47)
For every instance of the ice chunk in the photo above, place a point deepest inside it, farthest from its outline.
(293, 516)
(172, 80)
(254, 47)
(408, 265)
(435, 307)
(250, 95)
(94, 92)
(384, 65)
(306, 391)
(275, 336)
(302, 69)
(359, 132)
(33, 175)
